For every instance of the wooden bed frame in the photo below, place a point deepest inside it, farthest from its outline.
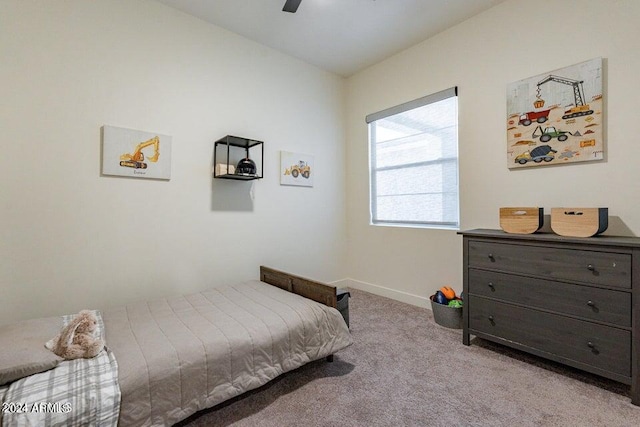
(317, 291)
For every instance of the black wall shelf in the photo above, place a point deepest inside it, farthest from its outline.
(229, 150)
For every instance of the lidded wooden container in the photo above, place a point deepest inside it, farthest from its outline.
(579, 222)
(521, 220)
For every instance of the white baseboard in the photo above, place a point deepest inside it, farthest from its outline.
(384, 292)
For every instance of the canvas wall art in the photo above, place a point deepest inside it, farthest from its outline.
(296, 169)
(135, 153)
(556, 118)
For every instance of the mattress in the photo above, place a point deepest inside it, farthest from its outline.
(186, 353)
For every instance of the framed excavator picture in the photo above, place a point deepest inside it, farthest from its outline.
(556, 118)
(134, 153)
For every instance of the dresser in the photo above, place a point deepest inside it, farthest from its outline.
(571, 300)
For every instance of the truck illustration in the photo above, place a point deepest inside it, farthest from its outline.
(302, 168)
(550, 132)
(538, 154)
(539, 116)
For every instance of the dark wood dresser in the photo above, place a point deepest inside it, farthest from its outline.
(571, 300)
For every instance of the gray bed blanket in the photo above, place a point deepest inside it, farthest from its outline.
(183, 354)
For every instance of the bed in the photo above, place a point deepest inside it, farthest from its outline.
(176, 356)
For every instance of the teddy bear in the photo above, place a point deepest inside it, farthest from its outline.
(77, 340)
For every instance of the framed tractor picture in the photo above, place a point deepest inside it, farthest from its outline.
(134, 153)
(296, 169)
(556, 118)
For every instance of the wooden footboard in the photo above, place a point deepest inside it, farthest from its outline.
(317, 291)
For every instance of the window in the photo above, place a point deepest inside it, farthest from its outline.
(414, 163)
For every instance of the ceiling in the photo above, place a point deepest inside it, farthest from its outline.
(340, 36)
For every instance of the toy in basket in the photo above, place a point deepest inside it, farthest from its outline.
(447, 308)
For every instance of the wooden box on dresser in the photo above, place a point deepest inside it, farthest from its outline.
(569, 299)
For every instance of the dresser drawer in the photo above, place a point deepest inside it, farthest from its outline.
(602, 347)
(600, 268)
(603, 305)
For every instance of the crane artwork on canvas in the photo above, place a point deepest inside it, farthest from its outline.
(556, 118)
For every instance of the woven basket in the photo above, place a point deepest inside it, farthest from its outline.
(449, 317)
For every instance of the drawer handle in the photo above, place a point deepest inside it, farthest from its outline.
(491, 258)
(492, 287)
(590, 267)
(492, 320)
(593, 306)
(593, 348)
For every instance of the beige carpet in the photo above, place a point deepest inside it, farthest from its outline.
(404, 370)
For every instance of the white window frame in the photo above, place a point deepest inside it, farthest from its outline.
(371, 119)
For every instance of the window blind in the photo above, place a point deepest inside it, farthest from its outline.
(414, 162)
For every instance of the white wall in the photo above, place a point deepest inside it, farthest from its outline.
(72, 239)
(512, 41)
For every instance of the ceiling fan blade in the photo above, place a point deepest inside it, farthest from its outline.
(291, 6)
